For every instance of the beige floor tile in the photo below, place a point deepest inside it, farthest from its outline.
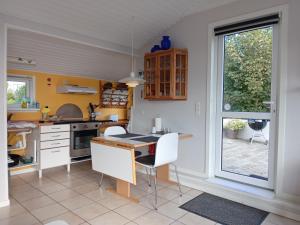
(85, 188)
(63, 195)
(48, 211)
(171, 210)
(168, 193)
(23, 187)
(21, 219)
(131, 223)
(149, 201)
(76, 202)
(113, 202)
(194, 193)
(16, 181)
(91, 211)
(48, 189)
(37, 203)
(110, 218)
(43, 182)
(177, 223)
(28, 177)
(98, 194)
(72, 182)
(132, 210)
(279, 220)
(184, 189)
(27, 195)
(183, 199)
(11, 210)
(68, 217)
(192, 219)
(153, 218)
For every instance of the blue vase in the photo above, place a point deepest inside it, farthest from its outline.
(155, 48)
(165, 42)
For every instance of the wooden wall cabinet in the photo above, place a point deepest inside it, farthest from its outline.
(166, 75)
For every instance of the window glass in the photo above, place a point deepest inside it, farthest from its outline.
(19, 89)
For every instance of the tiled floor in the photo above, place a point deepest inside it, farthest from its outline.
(77, 199)
(242, 157)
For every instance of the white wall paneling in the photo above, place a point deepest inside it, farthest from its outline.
(105, 20)
(55, 55)
(3, 117)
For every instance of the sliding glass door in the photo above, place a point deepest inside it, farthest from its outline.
(246, 106)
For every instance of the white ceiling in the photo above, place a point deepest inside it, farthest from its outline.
(54, 55)
(108, 20)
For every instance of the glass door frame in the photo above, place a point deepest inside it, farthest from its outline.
(271, 116)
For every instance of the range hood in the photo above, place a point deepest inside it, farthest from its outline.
(75, 89)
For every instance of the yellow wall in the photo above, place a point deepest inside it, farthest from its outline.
(46, 95)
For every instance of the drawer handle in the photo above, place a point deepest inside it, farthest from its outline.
(55, 128)
(55, 151)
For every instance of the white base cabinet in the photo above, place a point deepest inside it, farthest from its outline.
(54, 146)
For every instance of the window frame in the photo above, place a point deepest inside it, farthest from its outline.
(30, 86)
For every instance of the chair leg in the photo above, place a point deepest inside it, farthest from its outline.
(155, 188)
(101, 179)
(148, 175)
(178, 183)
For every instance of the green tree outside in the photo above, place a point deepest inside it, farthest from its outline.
(16, 96)
(247, 70)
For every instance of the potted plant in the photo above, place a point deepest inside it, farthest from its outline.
(233, 127)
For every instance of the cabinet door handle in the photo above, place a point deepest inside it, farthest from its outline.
(55, 151)
(55, 128)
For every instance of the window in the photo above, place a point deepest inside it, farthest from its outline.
(246, 64)
(19, 89)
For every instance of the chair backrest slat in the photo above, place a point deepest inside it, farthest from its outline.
(114, 130)
(166, 149)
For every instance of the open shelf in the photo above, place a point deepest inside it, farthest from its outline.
(22, 165)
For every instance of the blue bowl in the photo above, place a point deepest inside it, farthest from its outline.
(155, 48)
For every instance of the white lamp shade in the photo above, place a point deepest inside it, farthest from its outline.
(132, 81)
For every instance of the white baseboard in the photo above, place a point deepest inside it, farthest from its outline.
(274, 205)
(4, 203)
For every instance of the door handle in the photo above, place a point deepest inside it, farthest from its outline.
(268, 102)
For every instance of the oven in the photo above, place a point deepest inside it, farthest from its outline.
(81, 135)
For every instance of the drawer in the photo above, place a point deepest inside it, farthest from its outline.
(55, 136)
(55, 128)
(54, 144)
(54, 157)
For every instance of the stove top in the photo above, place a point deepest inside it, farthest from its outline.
(80, 121)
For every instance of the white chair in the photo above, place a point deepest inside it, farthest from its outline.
(166, 153)
(114, 130)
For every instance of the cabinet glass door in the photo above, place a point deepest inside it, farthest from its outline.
(150, 66)
(180, 82)
(165, 76)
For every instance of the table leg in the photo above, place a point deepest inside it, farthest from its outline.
(123, 189)
(163, 173)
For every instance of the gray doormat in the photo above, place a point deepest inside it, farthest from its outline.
(224, 211)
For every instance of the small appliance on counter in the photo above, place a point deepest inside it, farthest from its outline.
(157, 124)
